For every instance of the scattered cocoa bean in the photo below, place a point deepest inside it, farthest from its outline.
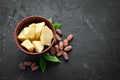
(65, 42)
(59, 31)
(28, 63)
(33, 64)
(65, 55)
(56, 48)
(60, 53)
(52, 51)
(70, 37)
(22, 66)
(58, 37)
(34, 68)
(68, 48)
(61, 45)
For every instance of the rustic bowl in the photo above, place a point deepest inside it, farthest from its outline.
(27, 21)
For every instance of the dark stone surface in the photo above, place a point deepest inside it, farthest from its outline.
(96, 44)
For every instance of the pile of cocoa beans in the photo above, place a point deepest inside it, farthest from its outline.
(61, 47)
(28, 64)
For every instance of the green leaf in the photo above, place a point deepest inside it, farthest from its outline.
(42, 64)
(57, 25)
(50, 19)
(51, 58)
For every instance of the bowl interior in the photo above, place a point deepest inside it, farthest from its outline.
(26, 22)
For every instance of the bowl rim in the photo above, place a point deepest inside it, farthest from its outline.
(21, 48)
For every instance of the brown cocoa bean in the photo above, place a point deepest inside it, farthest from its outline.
(65, 55)
(56, 48)
(58, 37)
(59, 32)
(65, 43)
(33, 64)
(52, 51)
(70, 37)
(68, 48)
(61, 45)
(34, 68)
(22, 66)
(28, 63)
(60, 53)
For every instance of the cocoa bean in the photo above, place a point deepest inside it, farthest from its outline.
(33, 64)
(61, 45)
(70, 37)
(68, 48)
(65, 55)
(52, 51)
(28, 63)
(65, 43)
(59, 32)
(35, 68)
(22, 66)
(58, 37)
(56, 48)
(60, 53)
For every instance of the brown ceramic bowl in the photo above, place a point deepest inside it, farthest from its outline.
(27, 21)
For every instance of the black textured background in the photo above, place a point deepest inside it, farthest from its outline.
(96, 44)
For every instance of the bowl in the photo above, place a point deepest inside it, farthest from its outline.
(27, 21)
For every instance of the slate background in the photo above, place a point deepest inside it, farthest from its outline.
(96, 44)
